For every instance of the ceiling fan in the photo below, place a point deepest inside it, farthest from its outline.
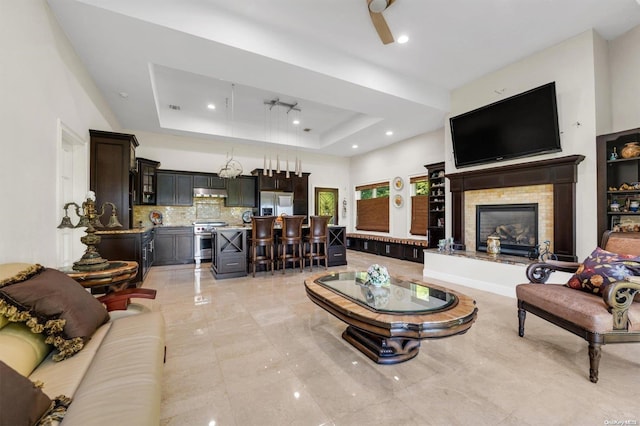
(376, 7)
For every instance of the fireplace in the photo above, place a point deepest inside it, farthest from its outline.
(515, 224)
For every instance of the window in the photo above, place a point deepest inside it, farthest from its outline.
(419, 205)
(372, 207)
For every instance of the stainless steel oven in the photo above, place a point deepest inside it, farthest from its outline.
(204, 240)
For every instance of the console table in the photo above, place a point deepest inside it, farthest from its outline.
(114, 278)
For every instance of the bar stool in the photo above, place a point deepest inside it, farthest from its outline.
(318, 240)
(262, 236)
(291, 236)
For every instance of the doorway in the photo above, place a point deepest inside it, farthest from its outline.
(327, 203)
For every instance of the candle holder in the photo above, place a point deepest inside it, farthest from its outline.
(91, 260)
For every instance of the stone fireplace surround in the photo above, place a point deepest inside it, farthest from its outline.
(561, 173)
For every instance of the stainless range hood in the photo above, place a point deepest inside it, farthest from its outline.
(209, 192)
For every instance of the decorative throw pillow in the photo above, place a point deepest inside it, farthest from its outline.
(23, 403)
(602, 268)
(11, 273)
(57, 306)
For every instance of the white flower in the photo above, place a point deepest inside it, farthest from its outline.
(378, 274)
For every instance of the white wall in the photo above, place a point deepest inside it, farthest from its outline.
(41, 81)
(403, 159)
(571, 64)
(203, 155)
(624, 56)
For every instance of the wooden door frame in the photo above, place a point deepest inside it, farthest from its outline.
(336, 206)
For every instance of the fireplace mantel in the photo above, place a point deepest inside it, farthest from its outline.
(560, 172)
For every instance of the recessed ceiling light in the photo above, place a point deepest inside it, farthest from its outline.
(211, 106)
(296, 121)
(403, 39)
(354, 146)
(389, 133)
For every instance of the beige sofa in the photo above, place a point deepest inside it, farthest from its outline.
(116, 377)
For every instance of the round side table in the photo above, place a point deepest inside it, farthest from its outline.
(114, 278)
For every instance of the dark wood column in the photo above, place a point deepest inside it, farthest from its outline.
(561, 172)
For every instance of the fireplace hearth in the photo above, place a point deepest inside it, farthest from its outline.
(515, 224)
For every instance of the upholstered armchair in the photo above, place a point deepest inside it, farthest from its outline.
(600, 303)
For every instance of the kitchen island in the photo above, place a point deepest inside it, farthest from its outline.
(230, 249)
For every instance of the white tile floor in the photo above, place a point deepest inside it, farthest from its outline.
(257, 351)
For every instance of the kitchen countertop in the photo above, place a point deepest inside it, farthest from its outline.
(124, 231)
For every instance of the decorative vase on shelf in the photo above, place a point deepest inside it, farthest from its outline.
(630, 150)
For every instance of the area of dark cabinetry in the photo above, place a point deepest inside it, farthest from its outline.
(276, 182)
(414, 253)
(618, 173)
(394, 250)
(174, 188)
(397, 250)
(174, 245)
(337, 252)
(135, 246)
(145, 181)
(242, 192)
(435, 220)
(208, 180)
(301, 194)
(230, 253)
(112, 165)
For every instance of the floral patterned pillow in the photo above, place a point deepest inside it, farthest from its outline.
(602, 268)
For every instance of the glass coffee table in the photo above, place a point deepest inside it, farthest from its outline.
(387, 323)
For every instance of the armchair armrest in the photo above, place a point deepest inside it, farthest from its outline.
(619, 296)
(539, 272)
(119, 300)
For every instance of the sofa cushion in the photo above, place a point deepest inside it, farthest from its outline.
(124, 382)
(23, 403)
(587, 310)
(21, 349)
(54, 304)
(15, 272)
(602, 268)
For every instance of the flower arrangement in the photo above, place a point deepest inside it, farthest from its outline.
(378, 275)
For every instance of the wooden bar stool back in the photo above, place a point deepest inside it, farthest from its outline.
(262, 242)
(291, 237)
(318, 240)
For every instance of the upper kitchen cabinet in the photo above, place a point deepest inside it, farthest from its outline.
(112, 166)
(242, 191)
(208, 180)
(301, 194)
(146, 181)
(174, 188)
(277, 182)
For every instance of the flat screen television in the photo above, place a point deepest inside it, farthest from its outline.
(520, 126)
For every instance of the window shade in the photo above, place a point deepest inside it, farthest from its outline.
(373, 214)
(419, 214)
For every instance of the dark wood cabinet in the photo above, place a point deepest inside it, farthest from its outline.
(174, 245)
(174, 188)
(277, 182)
(337, 252)
(242, 192)
(208, 180)
(301, 195)
(112, 166)
(437, 213)
(146, 181)
(414, 253)
(411, 250)
(229, 258)
(133, 246)
(618, 171)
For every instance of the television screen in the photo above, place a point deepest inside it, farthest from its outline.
(520, 126)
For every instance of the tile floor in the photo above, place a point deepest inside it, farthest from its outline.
(257, 351)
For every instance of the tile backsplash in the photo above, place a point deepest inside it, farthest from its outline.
(202, 209)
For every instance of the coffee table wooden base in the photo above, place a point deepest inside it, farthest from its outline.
(383, 350)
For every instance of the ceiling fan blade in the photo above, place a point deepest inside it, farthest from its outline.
(380, 24)
(381, 27)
